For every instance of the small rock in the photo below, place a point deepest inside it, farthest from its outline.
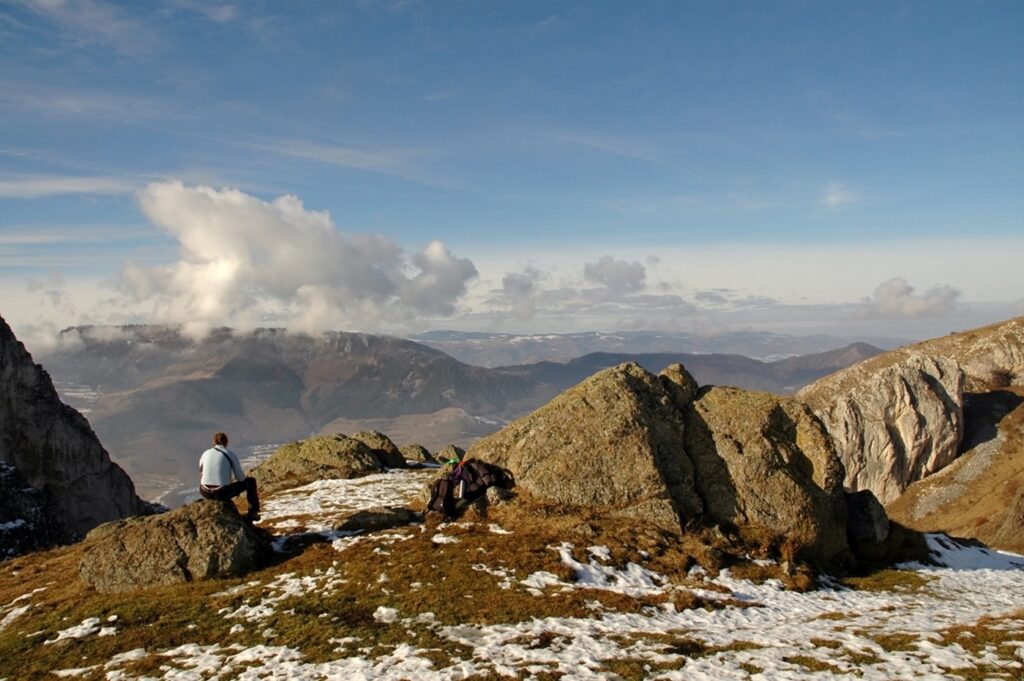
(381, 518)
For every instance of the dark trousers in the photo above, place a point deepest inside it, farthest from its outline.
(226, 492)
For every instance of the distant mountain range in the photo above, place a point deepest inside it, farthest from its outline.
(781, 376)
(504, 349)
(155, 397)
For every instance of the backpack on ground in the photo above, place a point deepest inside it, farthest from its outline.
(442, 496)
(479, 475)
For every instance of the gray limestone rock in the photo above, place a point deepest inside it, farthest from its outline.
(894, 424)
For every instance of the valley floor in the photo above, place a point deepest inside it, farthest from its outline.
(474, 600)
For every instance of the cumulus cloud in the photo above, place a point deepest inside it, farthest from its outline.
(606, 289)
(895, 299)
(519, 292)
(617, 276)
(244, 262)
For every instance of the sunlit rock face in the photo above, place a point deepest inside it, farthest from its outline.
(894, 425)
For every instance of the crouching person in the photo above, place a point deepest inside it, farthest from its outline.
(217, 465)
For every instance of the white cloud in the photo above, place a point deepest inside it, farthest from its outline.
(34, 186)
(246, 262)
(895, 299)
(838, 194)
(619, 277)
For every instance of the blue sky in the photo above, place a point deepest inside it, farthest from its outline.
(798, 166)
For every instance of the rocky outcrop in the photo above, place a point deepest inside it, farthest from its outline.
(55, 449)
(991, 356)
(894, 421)
(325, 457)
(765, 461)
(628, 443)
(382, 447)
(26, 522)
(201, 540)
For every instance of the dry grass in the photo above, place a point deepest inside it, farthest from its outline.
(419, 576)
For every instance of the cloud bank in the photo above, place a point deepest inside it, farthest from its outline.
(895, 299)
(246, 262)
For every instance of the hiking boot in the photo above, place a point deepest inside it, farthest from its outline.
(252, 516)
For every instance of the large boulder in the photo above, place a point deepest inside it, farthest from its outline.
(201, 540)
(55, 449)
(325, 457)
(893, 421)
(612, 444)
(382, 446)
(628, 443)
(765, 461)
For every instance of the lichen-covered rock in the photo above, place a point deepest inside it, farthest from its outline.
(55, 449)
(382, 446)
(765, 461)
(893, 422)
(325, 457)
(628, 443)
(416, 452)
(612, 444)
(201, 540)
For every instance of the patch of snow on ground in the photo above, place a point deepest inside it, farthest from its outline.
(385, 615)
(322, 505)
(88, 627)
(444, 539)
(950, 553)
(288, 585)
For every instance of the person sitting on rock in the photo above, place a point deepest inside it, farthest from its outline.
(216, 466)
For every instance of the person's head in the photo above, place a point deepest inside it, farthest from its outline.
(220, 439)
